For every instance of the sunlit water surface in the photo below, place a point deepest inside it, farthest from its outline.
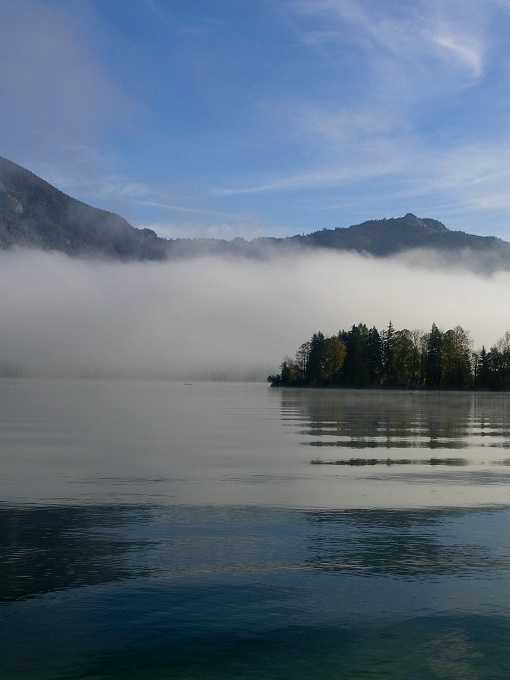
(159, 530)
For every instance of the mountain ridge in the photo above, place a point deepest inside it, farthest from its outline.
(35, 214)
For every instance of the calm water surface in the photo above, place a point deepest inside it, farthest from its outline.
(158, 530)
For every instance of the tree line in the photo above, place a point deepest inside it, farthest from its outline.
(367, 357)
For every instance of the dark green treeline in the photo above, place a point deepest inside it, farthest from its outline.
(367, 357)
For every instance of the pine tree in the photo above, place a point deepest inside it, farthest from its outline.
(483, 373)
(433, 357)
(356, 372)
(388, 355)
(375, 354)
(315, 372)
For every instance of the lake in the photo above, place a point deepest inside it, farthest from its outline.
(154, 530)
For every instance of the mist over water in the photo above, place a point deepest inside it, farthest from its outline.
(213, 317)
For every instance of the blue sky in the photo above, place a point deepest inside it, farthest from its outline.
(251, 117)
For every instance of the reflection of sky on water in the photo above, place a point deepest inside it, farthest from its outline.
(155, 443)
(156, 530)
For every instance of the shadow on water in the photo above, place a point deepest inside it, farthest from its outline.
(247, 592)
(469, 648)
(47, 550)
(220, 592)
(43, 550)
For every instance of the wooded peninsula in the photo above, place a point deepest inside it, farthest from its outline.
(367, 357)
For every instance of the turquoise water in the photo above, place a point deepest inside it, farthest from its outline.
(151, 530)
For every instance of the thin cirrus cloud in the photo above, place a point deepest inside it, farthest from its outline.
(319, 178)
(356, 146)
(412, 58)
(464, 49)
(452, 32)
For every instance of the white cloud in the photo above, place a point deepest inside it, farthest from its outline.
(353, 146)
(320, 178)
(409, 34)
(473, 177)
(411, 56)
(465, 49)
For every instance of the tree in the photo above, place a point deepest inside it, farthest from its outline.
(388, 355)
(433, 357)
(481, 369)
(406, 360)
(316, 358)
(375, 357)
(302, 359)
(334, 357)
(503, 347)
(456, 358)
(356, 371)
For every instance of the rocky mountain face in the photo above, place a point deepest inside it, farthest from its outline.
(35, 214)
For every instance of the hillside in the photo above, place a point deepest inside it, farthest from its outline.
(35, 214)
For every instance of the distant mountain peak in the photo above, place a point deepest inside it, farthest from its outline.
(424, 222)
(35, 214)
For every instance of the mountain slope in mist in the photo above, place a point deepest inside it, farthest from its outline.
(398, 234)
(35, 214)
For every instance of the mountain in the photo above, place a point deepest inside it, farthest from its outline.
(35, 214)
(399, 234)
(378, 238)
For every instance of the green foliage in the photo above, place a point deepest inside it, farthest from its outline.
(456, 369)
(363, 357)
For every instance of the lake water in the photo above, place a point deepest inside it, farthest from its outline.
(161, 530)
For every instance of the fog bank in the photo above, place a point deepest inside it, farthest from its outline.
(217, 317)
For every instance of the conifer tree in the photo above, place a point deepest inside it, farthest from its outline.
(433, 357)
(388, 355)
(315, 373)
(375, 357)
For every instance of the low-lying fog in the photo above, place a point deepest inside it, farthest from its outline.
(220, 318)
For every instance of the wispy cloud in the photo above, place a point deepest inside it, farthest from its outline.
(413, 34)
(182, 208)
(467, 50)
(411, 57)
(354, 146)
(320, 178)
